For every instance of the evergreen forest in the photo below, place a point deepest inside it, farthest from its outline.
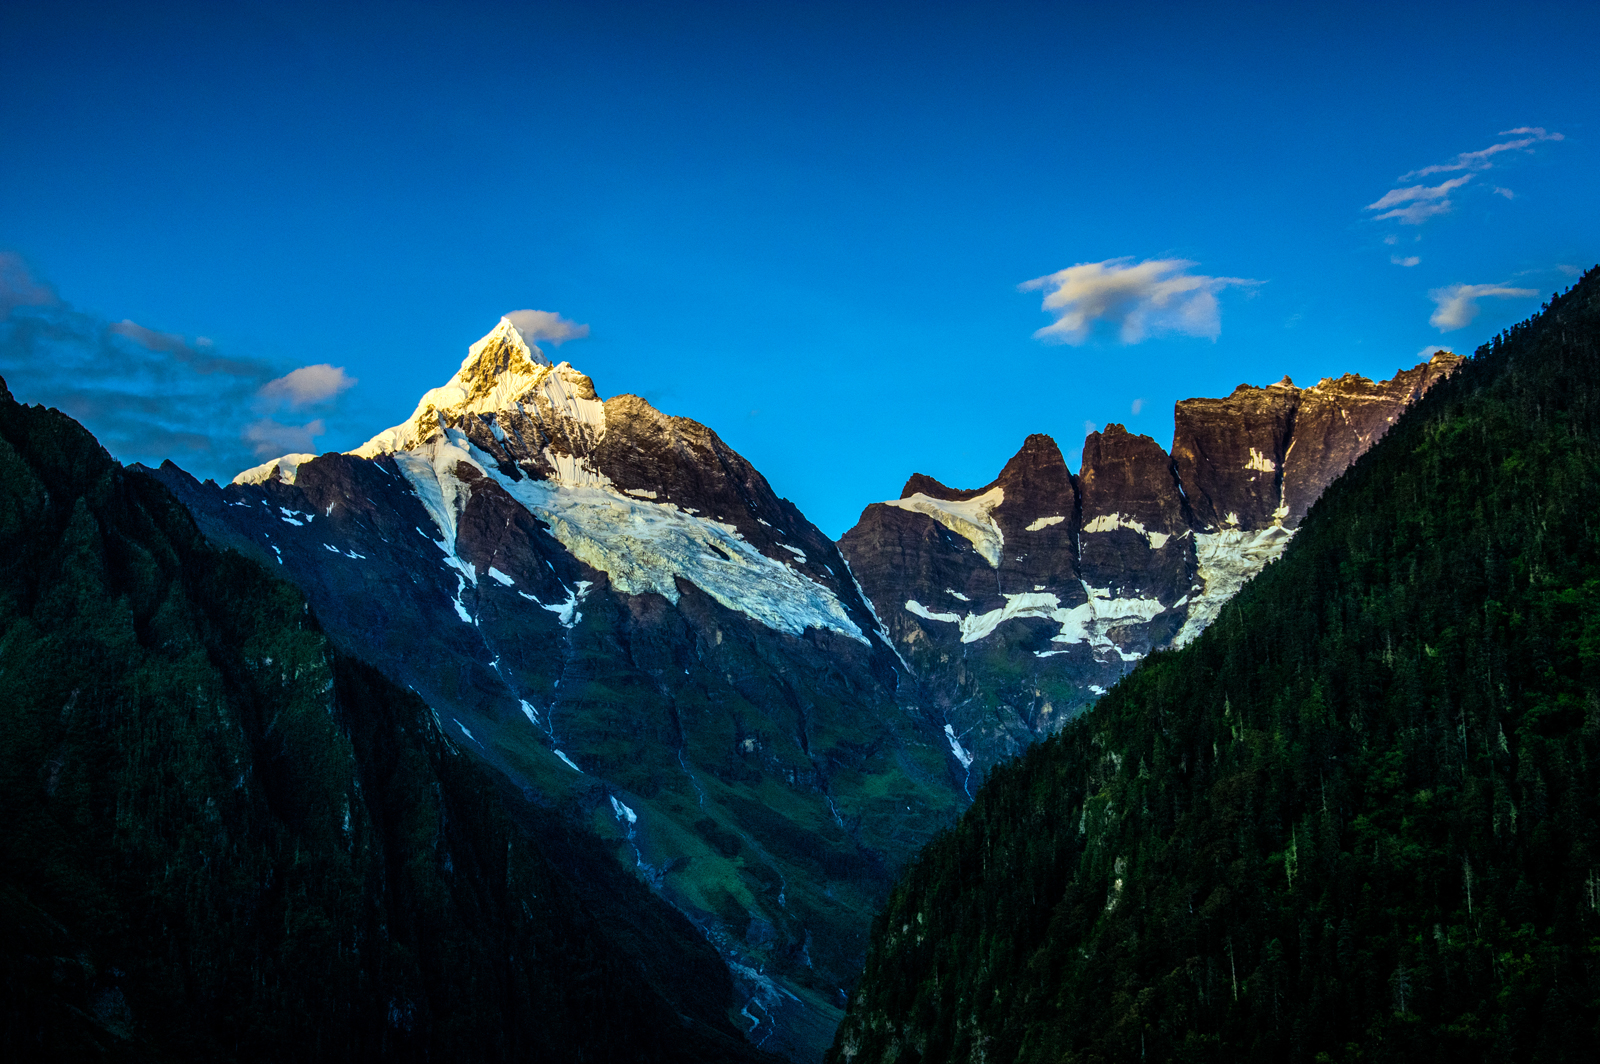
(1357, 820)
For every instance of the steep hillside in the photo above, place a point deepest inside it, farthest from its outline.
(1357, 819)
(1017, 604)
(224, 840)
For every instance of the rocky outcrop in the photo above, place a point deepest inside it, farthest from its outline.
(1018, 603)
(1229, 453)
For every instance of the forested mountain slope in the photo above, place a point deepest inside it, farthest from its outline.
(223, 840)
(1359, 818)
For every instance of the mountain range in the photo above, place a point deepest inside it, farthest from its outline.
(614, 611)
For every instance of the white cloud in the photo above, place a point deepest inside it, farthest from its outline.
(536, 325)
(1506, 192)
(307, 385)
(1391, 239)
(1409, 260)
(1421, 201)
(270, 438)
(1457, 304)
(1138, 405)
(1433, 349)
(1526, 136)
(1153, 296)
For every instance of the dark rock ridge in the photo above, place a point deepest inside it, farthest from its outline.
(1018, 603)
(612, 608)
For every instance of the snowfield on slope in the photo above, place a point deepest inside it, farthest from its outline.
(642, 546)
(1227, 560)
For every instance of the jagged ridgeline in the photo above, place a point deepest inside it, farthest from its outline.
(225, 841)
(1357, 819)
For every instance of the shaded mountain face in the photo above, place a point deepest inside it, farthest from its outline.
(228, 840)
(1355, 819)
(1017, 604)
(613, 609)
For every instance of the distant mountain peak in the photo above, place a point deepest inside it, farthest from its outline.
(502, 373)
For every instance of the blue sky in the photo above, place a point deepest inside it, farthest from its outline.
(805, 225)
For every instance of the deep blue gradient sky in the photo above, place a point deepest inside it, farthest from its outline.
(804, 225)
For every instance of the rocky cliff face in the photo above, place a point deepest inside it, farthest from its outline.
(1018, 603)
(614, 609)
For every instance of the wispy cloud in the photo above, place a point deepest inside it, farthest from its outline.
(1140, 299)
(146, 394)
(1415, 204)
(1408, 260)
(1483, 159)
(1457, 304)
(1418, 203)
(536, 325)
(1433, 349)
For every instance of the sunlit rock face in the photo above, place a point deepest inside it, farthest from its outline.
(1018, 603)
(614, 608)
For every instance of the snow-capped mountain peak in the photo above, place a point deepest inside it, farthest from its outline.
(647, 499)
(503, 375)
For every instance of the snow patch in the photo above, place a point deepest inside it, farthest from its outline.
(1260, 462)
(918, 609)
(972, 519)
(639, 493)
(568, 760)
(285, 468)
(465, 732)
(1113, 521)
(623, 812)
(1044, 522)
(496, 574)
(1088, 622)
(567, 612)
(529, 712)
(960, 752)
(956, 594)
